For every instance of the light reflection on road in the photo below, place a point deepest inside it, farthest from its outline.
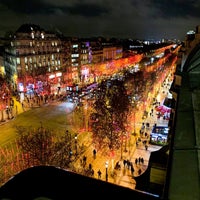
(67, 106)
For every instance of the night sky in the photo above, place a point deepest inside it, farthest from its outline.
(137, 19)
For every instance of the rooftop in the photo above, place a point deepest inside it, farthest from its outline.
(184, 181)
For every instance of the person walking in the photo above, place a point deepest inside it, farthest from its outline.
(94, 153)
(99, 174)
(132, 170)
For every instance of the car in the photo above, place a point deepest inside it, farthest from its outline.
(158, 137)
(159, 134)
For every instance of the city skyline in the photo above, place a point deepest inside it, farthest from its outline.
(151, 19)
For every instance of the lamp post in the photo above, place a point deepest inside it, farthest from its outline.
(134, 109)
(106, 165)
(133, 102)
(76, 144)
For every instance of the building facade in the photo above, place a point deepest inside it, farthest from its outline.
(34, 60)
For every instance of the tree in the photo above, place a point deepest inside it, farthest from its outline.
(109, 119)
(41, 146)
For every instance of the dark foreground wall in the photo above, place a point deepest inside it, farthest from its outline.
(55, 183)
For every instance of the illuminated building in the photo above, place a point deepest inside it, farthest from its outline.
(34, 59)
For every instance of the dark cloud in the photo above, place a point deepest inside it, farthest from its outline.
(88, 10)
(27, 7)
(33, 7)
(176, 8)
(114, 18)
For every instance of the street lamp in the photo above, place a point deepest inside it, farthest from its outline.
(75, 143)
(106, 165)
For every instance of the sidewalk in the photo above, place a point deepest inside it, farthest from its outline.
(16, 109)
(123, 176)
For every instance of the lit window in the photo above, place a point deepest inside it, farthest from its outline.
(18, 60)
(32, 35)
(75, 55)
(42, 35)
